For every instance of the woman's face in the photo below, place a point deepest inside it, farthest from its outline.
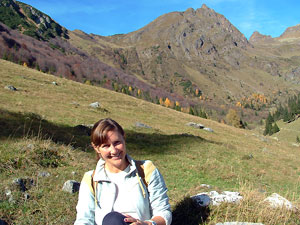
(113, 151)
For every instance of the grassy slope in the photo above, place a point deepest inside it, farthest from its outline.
(44, 114)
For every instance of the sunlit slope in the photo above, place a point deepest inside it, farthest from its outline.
(186, 156)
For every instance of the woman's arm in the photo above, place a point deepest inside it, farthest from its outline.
(159, 199)
(86, 202)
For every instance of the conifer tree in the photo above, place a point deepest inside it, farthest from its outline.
(275, 129)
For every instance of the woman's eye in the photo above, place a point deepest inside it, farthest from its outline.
(118, 143)
(105, 146)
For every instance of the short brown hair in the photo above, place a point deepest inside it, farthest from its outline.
(101, 128)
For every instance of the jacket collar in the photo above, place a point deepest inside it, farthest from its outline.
(100, 174)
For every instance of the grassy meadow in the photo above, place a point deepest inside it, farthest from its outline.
(38, 133)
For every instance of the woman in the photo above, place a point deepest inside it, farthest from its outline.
(121, 190)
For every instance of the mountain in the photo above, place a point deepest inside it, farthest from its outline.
(194, 58)
(257, 37)
(32, 38)
(30, 21)
(291, 33)
(198, 49)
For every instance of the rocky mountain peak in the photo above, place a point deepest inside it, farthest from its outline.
(257, 37)
(204, 6)
(29, 20)
(291, 32)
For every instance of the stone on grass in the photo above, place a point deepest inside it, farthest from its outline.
(195, 125)
(138, 124)
(30, 146)
(71, 186)
(208, 129)
(226, 196)
(239, 223)
(26, 196)
(44, 174)
(95, 105)
(10, 87)
(9, 195)
(205, 186)
(277, 201)
(54, 83)
(23, 184)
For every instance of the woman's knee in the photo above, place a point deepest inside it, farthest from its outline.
(114, 218)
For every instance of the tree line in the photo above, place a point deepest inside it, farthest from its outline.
(287, 113)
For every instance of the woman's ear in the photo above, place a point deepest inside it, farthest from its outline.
(96, 148)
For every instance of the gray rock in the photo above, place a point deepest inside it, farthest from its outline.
(206, 186)
(277, 201)
(239, 223)
(71, 186)
(30, 146)
(10, 87)
(226, 196)
(95, 105)
(138, 124)
(23, 184)
(26, 196)
(54, 83)
(9, 195)
(208, 129)
(44, 174)
(195, 125)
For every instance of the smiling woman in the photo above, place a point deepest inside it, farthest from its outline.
(120, 190)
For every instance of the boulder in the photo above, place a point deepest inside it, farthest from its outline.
(195, 125)
(208, 129)
(71, 186)
(44, 174)
(95, 105)
(226, 196)
(138, 124)
(23, 184)
(10, 87)
(9, 195)
(206, 186)
(277, 201)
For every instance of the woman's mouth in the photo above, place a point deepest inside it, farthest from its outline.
(117, 156)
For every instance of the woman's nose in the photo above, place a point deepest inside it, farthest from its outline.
(113, 149)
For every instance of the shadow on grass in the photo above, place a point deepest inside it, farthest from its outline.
(19, 125)
(187, 212)
(154, 142)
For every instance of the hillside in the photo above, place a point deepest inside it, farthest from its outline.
(30, 21)
(195, 59)
(39, 133)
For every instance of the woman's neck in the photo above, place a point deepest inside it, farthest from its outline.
(114, 169)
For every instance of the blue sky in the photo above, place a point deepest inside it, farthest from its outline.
(108, 17)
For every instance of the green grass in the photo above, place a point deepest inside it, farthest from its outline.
(288, 131)
(45, 115)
